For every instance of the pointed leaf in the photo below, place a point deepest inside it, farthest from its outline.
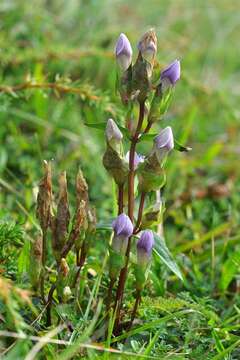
(180, 147)
(162, 252)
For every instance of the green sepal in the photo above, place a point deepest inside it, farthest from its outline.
(123, 84)
(141, 73)
(166, 100)
(116, 263)
(140, 276)
(116, 165)
(155, 108)
(152, 216)
(150, 179)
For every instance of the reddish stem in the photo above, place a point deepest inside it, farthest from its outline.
(131, 174)
(123, 273)
(120, 198)
(137, 302)
(148, 127)
(140, 213)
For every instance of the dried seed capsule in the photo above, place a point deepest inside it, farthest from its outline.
(44, 198)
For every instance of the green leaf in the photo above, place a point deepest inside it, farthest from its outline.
(102, 126)
(99, 126)
(105, 225)
(162, 252)
(229, 270)
(180, 147)
(147, 137)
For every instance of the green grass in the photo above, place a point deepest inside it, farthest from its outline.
(70, 44)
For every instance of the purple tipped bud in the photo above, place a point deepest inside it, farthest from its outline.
(123, 52)
(165, 139)
(123, 229)
(171, 74)
(112, 132)
(148, 46)
(163, 143)
(137, 159)
(144, 247)
(122, 226)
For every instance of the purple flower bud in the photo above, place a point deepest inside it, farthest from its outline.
(165, 139)
(112, 132)
(163, 143)
(148, 46)
(144, 247)
(122, 226)
(123, 229)
(171, 74)
(123, 52)
(137, 159)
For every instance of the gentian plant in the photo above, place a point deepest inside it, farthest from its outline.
(136, 177)
(136, 88)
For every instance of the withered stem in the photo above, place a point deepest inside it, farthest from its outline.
(42, 278)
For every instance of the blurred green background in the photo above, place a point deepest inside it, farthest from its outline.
(71, 43)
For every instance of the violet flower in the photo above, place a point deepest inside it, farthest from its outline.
(123, 229)
(113, 134)
(123, 52)
(171, 74)
(144, 247)
(137, 159)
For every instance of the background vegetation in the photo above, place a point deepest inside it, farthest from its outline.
(57, 74)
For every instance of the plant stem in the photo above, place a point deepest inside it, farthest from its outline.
(148, 127)
(109, 294)
(140, 212)
(123, 273)
(120, 199)
(137, 302)
(131, 174)
(49, 304)
(44, 249)
(80, 264)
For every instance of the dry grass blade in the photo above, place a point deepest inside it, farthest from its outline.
(43, 341)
